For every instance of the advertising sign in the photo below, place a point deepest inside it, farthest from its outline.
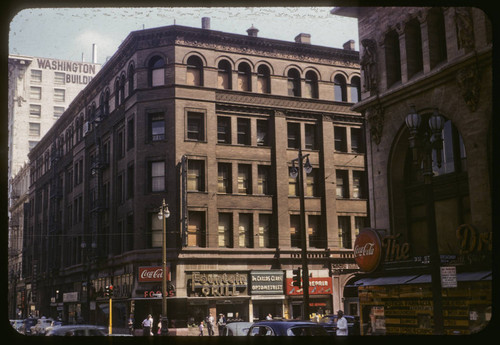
(152, 274)
(449, 277)
(216, 284)
(317, 286)
(368, 250)
(266, 282)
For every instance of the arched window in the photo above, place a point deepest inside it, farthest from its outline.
(224, 75)
(117, 93)
(77, 132)
(263, 79)
(340, 88)
(311, 85)
(106, 103)
(194, 75)
(131, 71)
(437, 37)
(355, 89)
(101, 104)
(244, 77)
(156, 69)
(414, 56)
(392, 58)
(122, 88)
(293, 82)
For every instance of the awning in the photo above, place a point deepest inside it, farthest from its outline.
(420, 279)
(395, 280)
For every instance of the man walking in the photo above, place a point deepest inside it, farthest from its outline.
(146, 326)
(341, 323)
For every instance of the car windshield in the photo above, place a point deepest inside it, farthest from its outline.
(305, 331)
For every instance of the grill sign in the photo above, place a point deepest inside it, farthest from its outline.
(152, 274)
(367, 250)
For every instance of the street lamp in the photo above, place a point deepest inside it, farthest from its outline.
(294, 172)
(426, 137)
(164, 214)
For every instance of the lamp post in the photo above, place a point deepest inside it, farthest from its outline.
(164, 214)
(424, 139)
(294, 172)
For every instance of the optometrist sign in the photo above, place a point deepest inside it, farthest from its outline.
(368, 250)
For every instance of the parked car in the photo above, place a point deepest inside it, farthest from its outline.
(27, 324)
(329, 323)
(16, 324)
(41, 325)
(286, 328)
(77, 330)
(236, 329)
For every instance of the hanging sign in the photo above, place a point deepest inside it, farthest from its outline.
(368, 250)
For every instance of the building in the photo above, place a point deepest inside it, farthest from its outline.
(426, 61)
(209, 122)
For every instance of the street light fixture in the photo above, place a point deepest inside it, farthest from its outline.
(426, 138)
(294, 172)
(163, 215)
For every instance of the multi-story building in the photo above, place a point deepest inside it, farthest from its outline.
(419, 64)
(209, 122)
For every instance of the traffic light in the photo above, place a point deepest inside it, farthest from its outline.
(297, 279)
(106, 291)
(110, 291)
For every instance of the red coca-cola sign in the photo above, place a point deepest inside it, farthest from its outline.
(368, 250)
(152, 274)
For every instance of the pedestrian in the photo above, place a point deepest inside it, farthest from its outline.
(221, 323)
(210, 324)
(158, 332)
(131, 324)
(147, 324)
(200, 327)
(341, 323)
(269, 317)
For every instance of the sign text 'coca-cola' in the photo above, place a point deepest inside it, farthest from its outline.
(368, 250)
(152, 274)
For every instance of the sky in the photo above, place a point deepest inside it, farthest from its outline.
(67, 33)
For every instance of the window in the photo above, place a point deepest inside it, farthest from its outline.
(225, 230)
(264, 172)
(344, 223)
(310, 143)
(392, 58)
(35, 93)
(245, 230)
(196, 229)
(32, 144)
(340, 137)
(262, 132)
(195, 126)
(157, 176)
(293, 186)
(130, 181)
(120, 145)
(119, 189)
(117, 93)
(156, 230)
(244, 77)
(357, 142)
(105, 109)
(358, 184)
(58, 111)
(359, 224)
(196, 175)
(340, 88)
(130, 134)
(34, 129)
(264, 231)
(263, 79)
(311, 85)
(312, 183)
(293, 82)
(156, 68)
(35, 110)
(355, 89)
(437, 37)
(224, 75)
(295, 237)
(224, 181)
(59, 78)
(244, 131)
(342, 183)
(223, 130)
(414, 56)
(59, 95)
(313, 231)
(122, 88)
(36, 76)
(194, 75)
(156, 127)
(244, 179)
(131, 71)
(293, 130)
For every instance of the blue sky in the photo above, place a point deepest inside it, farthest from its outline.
(66, 33)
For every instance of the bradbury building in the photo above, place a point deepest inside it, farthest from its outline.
(209, 122)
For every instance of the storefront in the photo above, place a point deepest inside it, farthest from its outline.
(267, 291)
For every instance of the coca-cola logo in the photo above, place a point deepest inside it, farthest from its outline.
(367, 250)
(152, 274)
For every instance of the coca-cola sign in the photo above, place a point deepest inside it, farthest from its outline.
(368, 250)
(152, 274)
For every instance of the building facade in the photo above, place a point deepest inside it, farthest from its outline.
(427, 61)
(209, 122)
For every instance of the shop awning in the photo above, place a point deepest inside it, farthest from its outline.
(420, 279)
(396, 280)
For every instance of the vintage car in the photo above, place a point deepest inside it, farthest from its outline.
(236, 329)
(77, 330)
(288, 328)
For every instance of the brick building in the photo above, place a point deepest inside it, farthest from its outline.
(427, 60)
(210, 122)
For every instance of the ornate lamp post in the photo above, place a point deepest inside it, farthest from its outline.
(424, 139)
(164, 214)
(294, 172)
